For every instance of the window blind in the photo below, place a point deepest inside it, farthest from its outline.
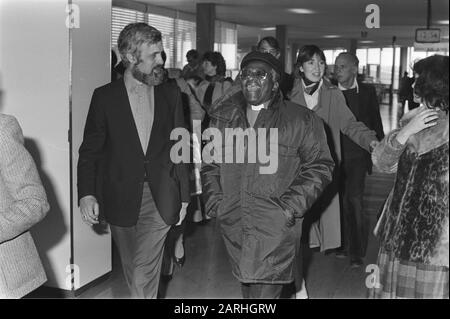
(120, 17)
(166, 25)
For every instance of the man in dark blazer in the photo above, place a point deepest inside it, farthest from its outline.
(124, 167)
(362, 100)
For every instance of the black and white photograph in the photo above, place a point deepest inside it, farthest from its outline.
(225, 158)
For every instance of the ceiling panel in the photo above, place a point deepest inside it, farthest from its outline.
(345, 18)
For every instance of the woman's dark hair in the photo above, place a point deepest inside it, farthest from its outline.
(196, 78)
(192, 54)
(305, 54)
(113, 59)
(164, 56)
(216, 60)
(271, 41)
(432, 81)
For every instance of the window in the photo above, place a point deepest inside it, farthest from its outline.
(167, 27)
(373, 56)
(226, 43)
(414, 56)
(120, 18)
(178, 31)
(178, 35)
(362, 57)
(185, 33)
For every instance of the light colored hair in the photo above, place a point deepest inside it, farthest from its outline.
(133, 36)
(350, 56)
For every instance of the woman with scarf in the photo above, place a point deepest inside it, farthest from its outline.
(210, 90)
(215, 84)
(414, 225)
(322, 226)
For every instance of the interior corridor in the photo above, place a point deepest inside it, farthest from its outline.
(207, 273)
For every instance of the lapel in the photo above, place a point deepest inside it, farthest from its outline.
(300, 94)
(324, 96)
(125, 116)
(363, 96)
(160, 110)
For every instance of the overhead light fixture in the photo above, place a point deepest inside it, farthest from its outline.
(331, 36)
(301, 11)
(442, 21)
(366, 41)
(269, 29)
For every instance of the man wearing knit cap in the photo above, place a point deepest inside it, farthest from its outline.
(260, 211)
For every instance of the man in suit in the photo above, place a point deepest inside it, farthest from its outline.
(362, 100)
(23, 204)
(124, 166)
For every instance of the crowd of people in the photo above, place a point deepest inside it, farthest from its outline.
(327, 139)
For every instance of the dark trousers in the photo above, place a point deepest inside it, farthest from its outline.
(261, 291)
(141, 248)
(356, 221)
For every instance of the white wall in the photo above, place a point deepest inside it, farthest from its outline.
(91, 68)
(35, 79)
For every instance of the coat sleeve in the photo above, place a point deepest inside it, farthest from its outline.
(196, 110)
(375, 118)
(211, 187)
(181, 169)
(386, 154)
(91, 149)
(230, 90)
(314, 173)
(19, 174)
(358, 132)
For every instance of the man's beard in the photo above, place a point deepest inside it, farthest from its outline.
(155, 77)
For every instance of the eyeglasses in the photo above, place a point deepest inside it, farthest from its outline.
(261, 75)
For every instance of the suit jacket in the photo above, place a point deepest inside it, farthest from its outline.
(112, 165)
(23, 203)
(366, 110)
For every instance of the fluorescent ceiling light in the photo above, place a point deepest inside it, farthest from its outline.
(301, 11)
(269, 29)
(331, 36)
(366, 41)
(442, 21)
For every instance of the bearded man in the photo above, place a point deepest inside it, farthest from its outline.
(124, 167)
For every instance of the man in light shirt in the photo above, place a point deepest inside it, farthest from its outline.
(362, 101)
(124, 168)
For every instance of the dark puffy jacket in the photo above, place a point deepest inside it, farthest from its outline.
(253, 208)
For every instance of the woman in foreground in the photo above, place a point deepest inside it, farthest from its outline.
(413, 259)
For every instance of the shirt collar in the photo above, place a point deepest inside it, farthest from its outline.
(312, 84)
(132, 84)
(354, 86)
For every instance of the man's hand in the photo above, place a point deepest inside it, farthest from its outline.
(373, 145)
(183, 212)
(290, 218)
(89, 210)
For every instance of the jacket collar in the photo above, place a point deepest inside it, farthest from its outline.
(236, 106)
(297, 93)
(355, 85)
